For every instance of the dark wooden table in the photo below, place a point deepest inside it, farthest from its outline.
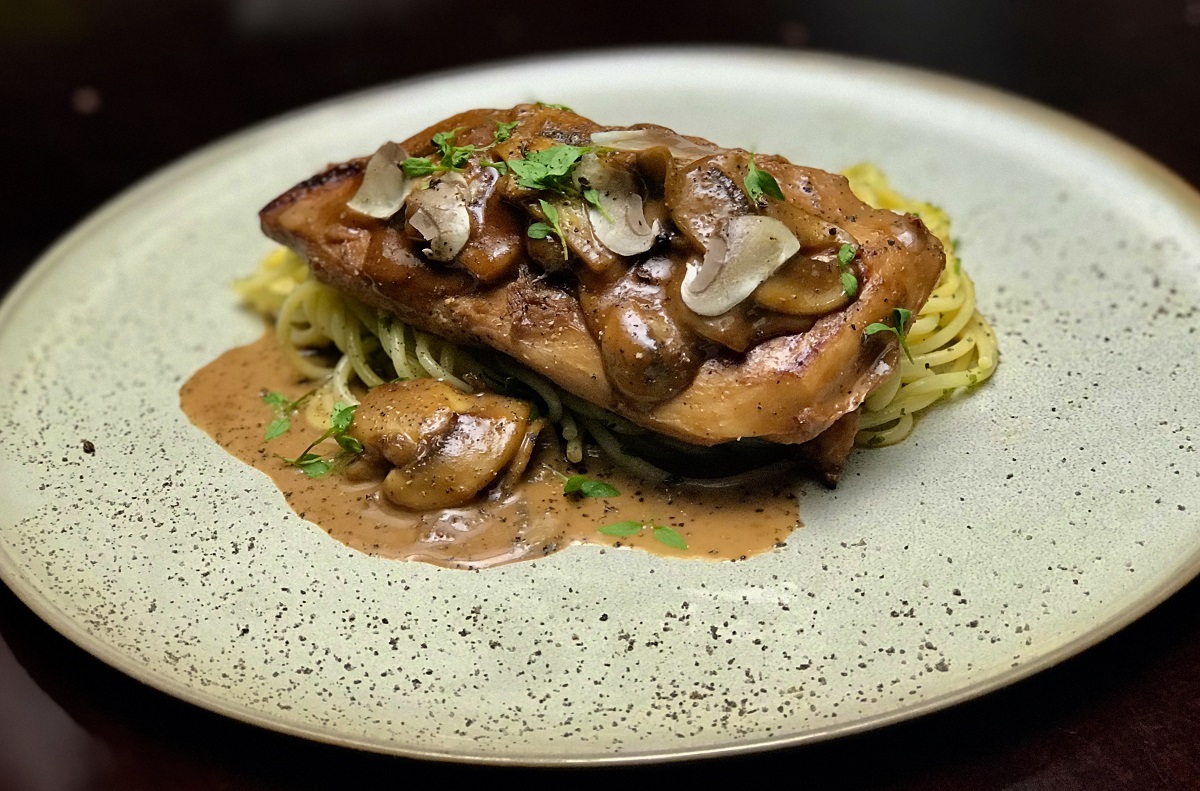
(97, 95)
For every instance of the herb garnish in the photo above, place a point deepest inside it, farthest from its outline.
(416, 167)
(454, 157)
(664, 534)
(759, 183)
(582, 486)
(504, 131)
(900, 316)
(592, 196)
(540, 230)
(845, 255)
(548, 169)
(284, 408)
(313, 464)
(555, 106)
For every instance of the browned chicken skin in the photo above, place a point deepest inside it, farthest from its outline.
(783, 364)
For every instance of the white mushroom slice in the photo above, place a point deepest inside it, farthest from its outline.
(441, 216)
(747, 251)
(621, 226)
(652, 137)
(384, 186)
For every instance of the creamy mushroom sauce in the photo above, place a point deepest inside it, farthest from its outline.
(783, 364)
(534, 519)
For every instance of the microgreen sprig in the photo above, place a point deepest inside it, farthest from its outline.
(900, 318)
(313, 464)
(504, 131)
(846, 254)
(454, 157)
(592, 196)
(583, 486)
(759, 183)
(284, 409)
(548, 169)
(540, 230)
(662, 533)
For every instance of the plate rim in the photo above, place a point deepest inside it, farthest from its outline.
(1181, 194)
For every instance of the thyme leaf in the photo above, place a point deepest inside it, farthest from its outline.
(759, 183)
(846, 254)
(900, 317)
(540, 230)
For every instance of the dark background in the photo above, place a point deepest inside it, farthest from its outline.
(96, 95)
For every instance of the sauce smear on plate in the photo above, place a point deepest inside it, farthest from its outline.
(533, 520)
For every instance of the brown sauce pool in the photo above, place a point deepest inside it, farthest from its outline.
(531, 521)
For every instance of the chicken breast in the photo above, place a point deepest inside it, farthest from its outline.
(725, 315)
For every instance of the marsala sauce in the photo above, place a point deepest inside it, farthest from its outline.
(224, 399)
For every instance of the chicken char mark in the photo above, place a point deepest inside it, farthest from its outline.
(784, 364)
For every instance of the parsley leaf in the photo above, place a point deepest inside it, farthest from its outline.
(900, 317)
(759, 183)
(540, 230)
(504, 131)
(555, 106)
(548, 169)
(416, 167)
(500, 166)
(454, 157)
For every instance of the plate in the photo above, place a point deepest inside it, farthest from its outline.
(1018, 526)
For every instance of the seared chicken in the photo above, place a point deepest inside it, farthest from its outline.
(698, 291)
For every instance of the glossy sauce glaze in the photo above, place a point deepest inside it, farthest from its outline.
(532, 520)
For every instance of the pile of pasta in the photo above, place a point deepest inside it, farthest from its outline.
(952, 345)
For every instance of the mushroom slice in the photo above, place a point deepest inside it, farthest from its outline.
(620, 221)
(481, 443)
(404, 421)
(441, 216)
(749, 249)
(384, 186)
(804, 287)
(444, 446)
(647, 137)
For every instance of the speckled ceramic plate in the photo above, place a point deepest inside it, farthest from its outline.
(1020, 525)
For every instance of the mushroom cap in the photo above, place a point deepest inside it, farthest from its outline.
(749, 249)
